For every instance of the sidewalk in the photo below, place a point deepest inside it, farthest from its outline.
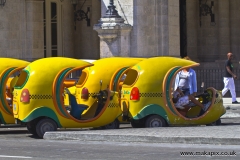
(219, 135)
(228, 102)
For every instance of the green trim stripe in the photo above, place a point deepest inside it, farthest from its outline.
(152, 109)
(167, 90)
(2, 94)
(2, 119)
(117, 77)
(57, 91)
(42, 112)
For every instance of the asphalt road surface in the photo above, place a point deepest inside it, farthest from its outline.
(38, 149)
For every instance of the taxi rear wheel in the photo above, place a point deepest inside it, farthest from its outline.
(45, 125)
(155, 121)
(114, 125)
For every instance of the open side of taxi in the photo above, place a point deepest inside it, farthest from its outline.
(146, 99)
(9, 70)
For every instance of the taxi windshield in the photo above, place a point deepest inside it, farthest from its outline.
(131, 77)
(21, 79)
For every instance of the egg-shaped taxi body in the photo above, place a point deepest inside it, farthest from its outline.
(147, 95)
(9, 69)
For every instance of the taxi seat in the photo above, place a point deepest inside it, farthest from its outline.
(76, 109)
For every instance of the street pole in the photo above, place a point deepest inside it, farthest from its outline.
(111, 12)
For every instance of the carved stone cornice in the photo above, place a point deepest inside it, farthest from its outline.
(34, 0)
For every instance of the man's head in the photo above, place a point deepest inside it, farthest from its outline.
(187, 58)
(230, 56)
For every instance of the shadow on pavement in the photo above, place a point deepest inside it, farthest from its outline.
(11, 126)
(34, 136)
(230, 124)
(14, 132)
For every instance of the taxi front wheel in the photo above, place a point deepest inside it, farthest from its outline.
(155, 121)
(216, 123)
(137, 123)
(45, 125)
(31, 127)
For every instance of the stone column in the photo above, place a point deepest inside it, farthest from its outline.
(114, 34)
(96, 15)
(174, 28)
(234, 28)
(224, 30)
(192, 26)
(34, 30)
(159, 30)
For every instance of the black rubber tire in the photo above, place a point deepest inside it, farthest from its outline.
(45, 125)
(137, 124)
(216, 123)
(31, 127)
(114, 125)
(155, 121)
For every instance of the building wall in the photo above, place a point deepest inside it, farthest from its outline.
(210, 42)
(86, 40)
(21, 29)
(68, 29)
(155, 30)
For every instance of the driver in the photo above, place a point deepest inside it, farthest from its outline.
(182, 101)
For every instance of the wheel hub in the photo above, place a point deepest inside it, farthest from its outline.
(156, 123)
(47, 127)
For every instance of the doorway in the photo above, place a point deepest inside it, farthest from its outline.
(52, 28)
(183, 28)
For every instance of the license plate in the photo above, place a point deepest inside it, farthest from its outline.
(14, 107)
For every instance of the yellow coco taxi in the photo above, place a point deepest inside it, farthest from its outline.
(9, 70)
(39, 98)
(146, 98)
(109, 71)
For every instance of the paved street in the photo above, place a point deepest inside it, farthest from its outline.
(39, 149)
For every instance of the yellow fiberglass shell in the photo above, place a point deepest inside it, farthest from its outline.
(43, 79)
(8, 66)
(154, 80)
(103, 69)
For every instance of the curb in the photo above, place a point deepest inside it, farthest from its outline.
(139, 138)
(217, 135)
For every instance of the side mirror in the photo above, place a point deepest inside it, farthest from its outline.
(202, 86)
(76, 82)
(101, 85)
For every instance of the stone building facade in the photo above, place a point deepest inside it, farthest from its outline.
(32, 29)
